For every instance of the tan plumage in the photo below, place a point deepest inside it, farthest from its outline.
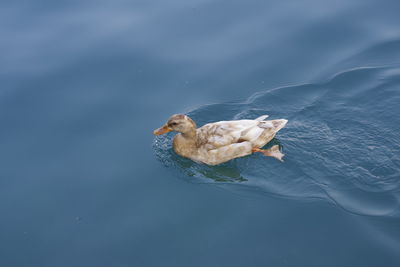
(218, 142)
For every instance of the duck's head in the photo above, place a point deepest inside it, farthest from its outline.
(178, 123)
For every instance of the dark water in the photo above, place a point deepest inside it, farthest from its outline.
(84, 183)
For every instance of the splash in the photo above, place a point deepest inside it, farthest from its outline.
(342, 142)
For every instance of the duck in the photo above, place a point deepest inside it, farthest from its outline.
(218, 142)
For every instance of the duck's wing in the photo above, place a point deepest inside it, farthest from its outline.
(223, 133)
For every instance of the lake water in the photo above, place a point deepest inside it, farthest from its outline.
(83, 182)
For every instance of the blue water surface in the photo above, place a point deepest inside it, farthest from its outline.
(83, 182)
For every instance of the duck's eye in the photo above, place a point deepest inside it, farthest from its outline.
(174, 123)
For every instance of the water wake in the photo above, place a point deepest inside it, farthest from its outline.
(342, 142)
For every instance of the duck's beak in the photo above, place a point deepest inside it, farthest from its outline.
(162, 130)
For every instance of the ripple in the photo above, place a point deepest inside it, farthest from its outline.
(342, 142)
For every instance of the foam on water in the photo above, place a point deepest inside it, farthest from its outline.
(341, 143)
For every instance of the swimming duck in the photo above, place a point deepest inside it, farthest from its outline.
(218, 142)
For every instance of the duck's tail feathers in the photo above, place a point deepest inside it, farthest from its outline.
(279, 124)
(275, 125)
(261, 118)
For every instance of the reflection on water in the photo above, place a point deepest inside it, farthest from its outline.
(341, 142)
(227, 172)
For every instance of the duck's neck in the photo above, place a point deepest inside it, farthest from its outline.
(185, 144)
(190, 135)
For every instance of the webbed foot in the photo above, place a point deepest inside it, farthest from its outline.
(271, 152)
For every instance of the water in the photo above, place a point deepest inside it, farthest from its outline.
(341, 143)
(84, 183)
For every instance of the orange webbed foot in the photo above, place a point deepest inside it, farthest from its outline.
(271, 152)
